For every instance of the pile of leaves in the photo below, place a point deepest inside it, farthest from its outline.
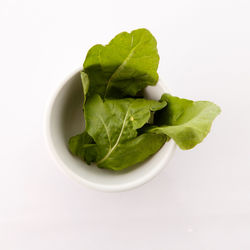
(121, 127)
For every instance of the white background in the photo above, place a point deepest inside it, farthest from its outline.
(201, 200)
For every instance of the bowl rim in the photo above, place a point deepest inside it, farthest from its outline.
(67, 171)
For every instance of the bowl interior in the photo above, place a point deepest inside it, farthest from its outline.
(66, 119)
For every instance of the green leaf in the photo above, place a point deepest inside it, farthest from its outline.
(113, 122)
(122, 132)
(123, 67)
(186, 121)
(133, 151)
(85, 85)
(83, 146)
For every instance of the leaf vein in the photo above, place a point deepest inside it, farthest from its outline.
(120, 68)
(117, 141)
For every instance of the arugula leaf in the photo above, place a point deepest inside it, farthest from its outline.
(122, 132)
(85, 85)
(133, 151)
(123, 67)
(83, 146)
(113, 122)
(186, 121)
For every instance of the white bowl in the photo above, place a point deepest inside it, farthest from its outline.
(64, 118)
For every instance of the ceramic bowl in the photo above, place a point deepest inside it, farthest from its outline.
(64, 118)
